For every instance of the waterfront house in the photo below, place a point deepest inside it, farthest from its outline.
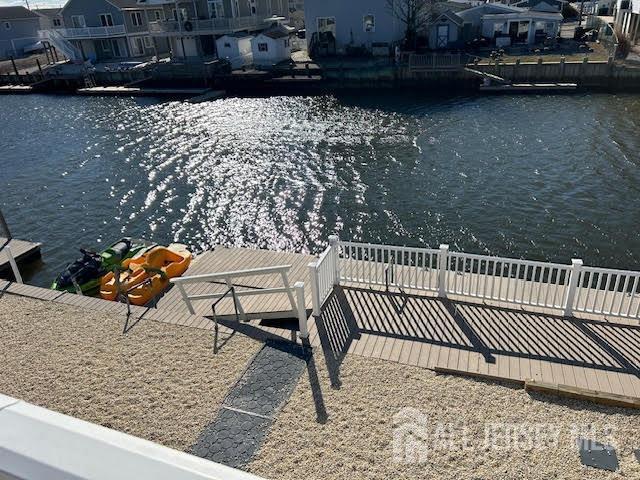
(272, 46)
(108, 30)
(18, 29)
(356, 26)
(192, 27)
(627, 19)
(50, 18)
(507, 25)
(236, 48)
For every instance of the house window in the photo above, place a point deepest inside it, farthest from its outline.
(183, 15)
(216, 9)
(105, 45)
(369, 23)
(78, 21)
(7, 26)
(159, 15)
(286, 43)
(147, 42)
(106, 20)
(136, 19)
(263, 47)
(137, 46)
(327, 24)
(57, 22)
(227, 45)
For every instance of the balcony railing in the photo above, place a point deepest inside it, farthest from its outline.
(92, 32)
(210, 26)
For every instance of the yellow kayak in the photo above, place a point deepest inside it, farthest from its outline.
(147, 276)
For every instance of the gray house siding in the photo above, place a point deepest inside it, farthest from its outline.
(349, 22)
(19, 34)
(91, 9)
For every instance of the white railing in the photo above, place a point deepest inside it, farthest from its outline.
(295, 294)
(324, 275)
(570, 288)
(608, 292)
(507, 280)
(61, 43)
(92, 32)
(384, 265)
(213, 25)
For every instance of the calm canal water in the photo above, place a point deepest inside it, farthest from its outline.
(546, 178)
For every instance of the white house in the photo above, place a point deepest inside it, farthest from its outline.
(272, 46)
(236, 48)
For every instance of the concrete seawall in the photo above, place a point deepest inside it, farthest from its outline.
(595, 75)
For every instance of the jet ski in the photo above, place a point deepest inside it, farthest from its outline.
(83, 275)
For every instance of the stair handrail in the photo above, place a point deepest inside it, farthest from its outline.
(294, 293)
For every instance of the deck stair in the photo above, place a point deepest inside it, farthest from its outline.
(62, 44)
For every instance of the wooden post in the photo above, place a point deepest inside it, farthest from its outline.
(15, 69)
(334, 243)
(576, 268)
(55, 53)
(443, 256)
(5, 226)
(39, 67)
(315, 288)
(14, 265)
(302, 310)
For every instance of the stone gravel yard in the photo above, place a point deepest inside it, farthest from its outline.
(160, 382)
(356, 440)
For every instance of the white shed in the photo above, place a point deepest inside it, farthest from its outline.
(272, 46)
(236, 48)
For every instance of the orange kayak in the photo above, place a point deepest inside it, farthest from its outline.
(147, 276)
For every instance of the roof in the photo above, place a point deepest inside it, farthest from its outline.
(449, 15)
(278, 31)
(532, 14)
(16, 13)
(48, 12)
(126, 3)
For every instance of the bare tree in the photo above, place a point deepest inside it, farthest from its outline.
(414, 14)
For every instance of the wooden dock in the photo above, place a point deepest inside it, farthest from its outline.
(22, 251)
(141, 91)
(419, 329)
(15, 89)
(591, 358)
(529, 87)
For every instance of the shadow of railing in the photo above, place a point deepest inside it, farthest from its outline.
(487, 330)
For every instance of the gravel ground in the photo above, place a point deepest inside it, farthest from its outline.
(159, 382)
(357, 439)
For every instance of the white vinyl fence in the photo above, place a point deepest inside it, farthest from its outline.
(570, 288)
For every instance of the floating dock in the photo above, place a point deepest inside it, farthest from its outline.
(22, 251)
(529, 87)
(141, 91)
(208, 96)
(13, 89)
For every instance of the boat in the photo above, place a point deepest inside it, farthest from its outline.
(85, 273)
(142, 279)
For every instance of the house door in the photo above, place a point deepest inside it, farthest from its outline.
(116, 48)
(442, 38)
(513, 31)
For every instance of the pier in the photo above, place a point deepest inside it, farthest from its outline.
(419, 307)
(22, 251)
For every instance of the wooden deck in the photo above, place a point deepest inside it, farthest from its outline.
(234, 259)
(416, 328)
(22, 251)
(446, 335)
